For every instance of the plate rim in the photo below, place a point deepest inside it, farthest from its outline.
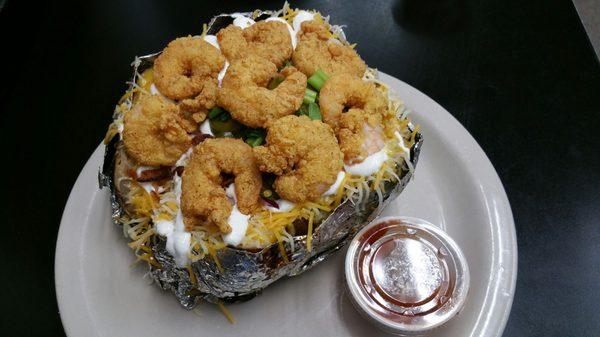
(505, 256)
(506, 234)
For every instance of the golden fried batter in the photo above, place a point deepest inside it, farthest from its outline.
(203, 199)
(359, 130)
(244, 94)
(187, 70)
(268, 39)
(315, 51)
(304, 154)
(153, 132)
(360, 134)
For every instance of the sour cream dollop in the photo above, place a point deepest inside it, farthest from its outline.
(183, 160)
(336, 185)
(370, 165)
(237, 220)
(222, 72)
(205, 128)
(212, 39)
(290, 30)
(242, 21)
(178, 239)
(284, 206)
(300, 17)
(154, 90)
(402, 145)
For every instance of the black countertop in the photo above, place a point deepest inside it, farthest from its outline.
(521, 76)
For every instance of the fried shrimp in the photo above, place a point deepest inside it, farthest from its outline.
(187, 70)
(153, 132)
(360, 134)
(304, 154)
(203, 199)
(316, 51)
(359, 129)
(268, 39)
(244, 94)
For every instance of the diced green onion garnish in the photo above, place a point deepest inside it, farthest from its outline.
(220, 127)
(275, 82)
(254, 133)
(303, 110)
(255, 141)
(254, 137)
(318, 79)
(314, 112)
(224, 117)
(310, 96)
(214, 112)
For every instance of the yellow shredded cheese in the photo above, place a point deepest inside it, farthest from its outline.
(310, 230)
(265, 228)
(146, 79)
(111, 132)
(192, 275)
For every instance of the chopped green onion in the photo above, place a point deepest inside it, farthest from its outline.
(254, 137)
(224, 117)
(310, 96)
(287, 63)
(318, 79)
(303, 110)
(214, 112)
(276, 81)
(255, 141)
(220, 127)
(314, 112)
(254, 133)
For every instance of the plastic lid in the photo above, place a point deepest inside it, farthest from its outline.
(406, 275)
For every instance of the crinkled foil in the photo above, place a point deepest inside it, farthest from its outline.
(246, 273)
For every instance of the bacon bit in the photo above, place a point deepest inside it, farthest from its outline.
(131, 173)
(154, 174)
(200, 138)
(270, 202)
(179, 170)
(155, 196)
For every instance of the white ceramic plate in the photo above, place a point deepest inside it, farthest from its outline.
(455, 187)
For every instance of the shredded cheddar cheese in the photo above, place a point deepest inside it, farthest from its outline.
(226, 312)
(311, 219)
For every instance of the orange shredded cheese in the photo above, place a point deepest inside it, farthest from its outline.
(226, 312)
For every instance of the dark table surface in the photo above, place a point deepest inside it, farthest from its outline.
(521, 76)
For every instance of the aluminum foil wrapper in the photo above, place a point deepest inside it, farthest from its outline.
(246, 273)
